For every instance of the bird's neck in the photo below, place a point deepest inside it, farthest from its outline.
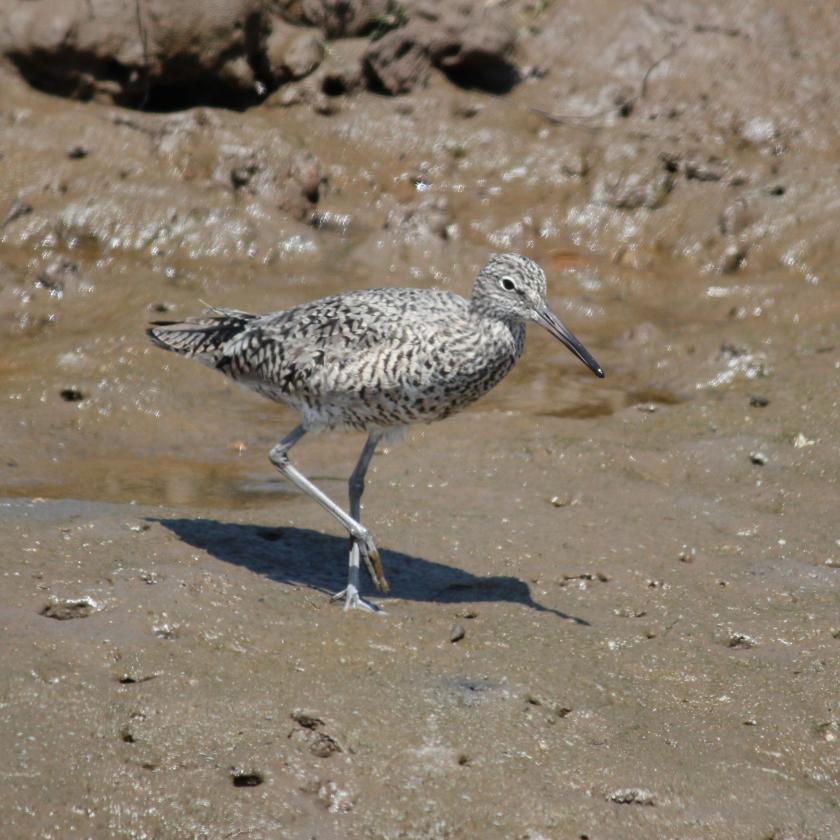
(484, 309)
(507, 330)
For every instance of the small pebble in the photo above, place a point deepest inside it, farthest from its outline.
(78, 152)
(324, 105)
(758, 402)
(323, 746)
(166, 630)
(467, 110)
(457, 633)
(62, 610)
(290, 95)
(828, 730)
(733, 258)
(632, 796)
(565, 500)
(741, 641)
(759, 130)
(735, 218)
(758, 458)
(629, 612)
(307, 718)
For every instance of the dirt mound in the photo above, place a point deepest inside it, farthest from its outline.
(472, 46)
(154, 55)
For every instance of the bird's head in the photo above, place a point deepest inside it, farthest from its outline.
(513, 288)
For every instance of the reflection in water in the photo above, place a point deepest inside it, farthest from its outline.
(237, 483)
(154, 482)
(582, 411)
(616, 402)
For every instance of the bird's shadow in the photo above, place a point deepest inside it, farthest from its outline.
(309, 558)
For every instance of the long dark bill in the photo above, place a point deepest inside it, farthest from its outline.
(561, 332)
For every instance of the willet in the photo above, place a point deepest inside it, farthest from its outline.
(376, 360)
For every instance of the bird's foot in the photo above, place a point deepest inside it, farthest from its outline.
(370, 557)
(354, 601)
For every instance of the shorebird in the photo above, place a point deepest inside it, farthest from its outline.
(375, 360)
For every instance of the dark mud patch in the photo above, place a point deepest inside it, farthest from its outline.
(471, 691)
(71, 394)
(246, 778)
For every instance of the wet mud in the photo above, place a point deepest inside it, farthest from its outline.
(614, 606)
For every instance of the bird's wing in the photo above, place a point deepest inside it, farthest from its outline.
(305, 347)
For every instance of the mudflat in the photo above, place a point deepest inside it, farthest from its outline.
(615, 605)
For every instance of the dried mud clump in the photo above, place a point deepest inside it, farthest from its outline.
(150, 53)
(632, 796)
(291, 183)
(312, 731)
(472, 46)
(398, 62)
(66, 609)
(159, 56)
(338, 18)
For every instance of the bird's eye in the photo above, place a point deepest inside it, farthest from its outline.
(507, 284)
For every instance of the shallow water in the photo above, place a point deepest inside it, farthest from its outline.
(149, 426)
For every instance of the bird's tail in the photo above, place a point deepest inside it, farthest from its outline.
(202, 338)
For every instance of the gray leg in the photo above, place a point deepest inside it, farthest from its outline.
(362, 542)
(357, 486)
